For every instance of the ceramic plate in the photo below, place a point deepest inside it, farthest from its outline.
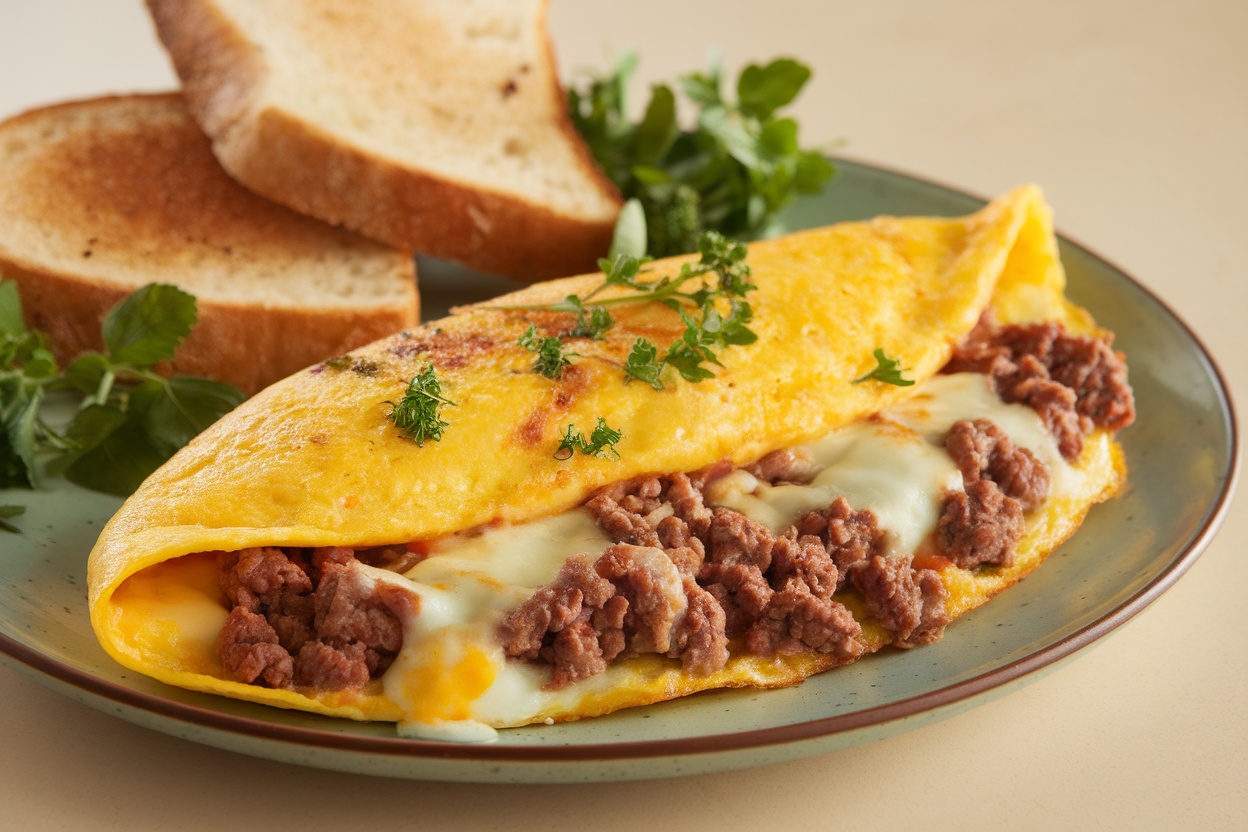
(1181, 453)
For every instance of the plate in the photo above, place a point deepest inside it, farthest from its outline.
(1182, 456)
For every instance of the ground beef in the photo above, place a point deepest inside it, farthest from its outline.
(733, 572)
(327, 668)
(574, 653)
(632, 599)
(699, 639)
(651, 584)
(910, 602)
(797, 621)
(807, 561)
(250, 651)
(979, 526)
(620, 523)
(264, 578)
(981, 450)
(1075, 382)
(351, 611)
(785, 465)
(554, 607)
(307, 620)
(849, 535)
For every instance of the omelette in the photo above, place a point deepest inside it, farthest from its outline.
(917, 417)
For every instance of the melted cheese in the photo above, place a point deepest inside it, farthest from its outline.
(896, 465)
(453, 679)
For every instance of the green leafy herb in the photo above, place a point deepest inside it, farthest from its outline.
(552, 356)
(130, 419)
(592, 325)
(731, 172)
(601, 442)
(417, 413)
(10, 511)
(643, 363)
(715, 314)
(887, 370)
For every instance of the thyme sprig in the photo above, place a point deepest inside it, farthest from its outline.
(417, 413)
(601, 442)
(552, 355)
(715, 312)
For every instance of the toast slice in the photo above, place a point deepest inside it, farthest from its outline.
(437, 126)
(102, 196)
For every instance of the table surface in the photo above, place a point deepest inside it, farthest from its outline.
(1132, 114)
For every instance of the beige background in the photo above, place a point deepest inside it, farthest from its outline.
(1134, 118)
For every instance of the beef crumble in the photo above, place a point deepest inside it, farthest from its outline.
(1075, 382)
(307, 619)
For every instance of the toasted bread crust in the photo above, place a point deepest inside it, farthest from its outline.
(102, 196)
(244, 345)
(312, 165)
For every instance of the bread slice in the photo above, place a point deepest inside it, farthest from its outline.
(100, 197)
(437, 126)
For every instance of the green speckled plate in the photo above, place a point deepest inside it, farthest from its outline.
(1182, 456)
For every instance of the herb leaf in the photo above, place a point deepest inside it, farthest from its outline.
(887, 370)
(707, 327)
(643, 363)
(601, 442)
(417, 413)
(11, 324)
(595, 326)
(761, 90)
(148, 325)
(130, 419)
(552, 357)
(732, 172)
(183, 408)
(119, 463)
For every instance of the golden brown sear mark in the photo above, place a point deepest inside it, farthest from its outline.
(535, 429)
(446, 350)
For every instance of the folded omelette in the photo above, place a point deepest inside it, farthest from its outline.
(922, 419)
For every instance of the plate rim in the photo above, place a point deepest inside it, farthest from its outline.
(401, 748)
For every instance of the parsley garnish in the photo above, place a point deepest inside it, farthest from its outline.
(732, 173)
(417, 413)
(601, 442)
(887, 370)
(552, 357)
(130, 419)
(643, 363)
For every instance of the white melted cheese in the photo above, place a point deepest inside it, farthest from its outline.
(466, 586)
(453, 678)
(896, 464)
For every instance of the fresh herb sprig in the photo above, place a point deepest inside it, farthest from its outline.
(731, 172)
(887, 370)
(715, 313)
(552, 355)
(417, 413)
(129, 420)
(601, 442)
